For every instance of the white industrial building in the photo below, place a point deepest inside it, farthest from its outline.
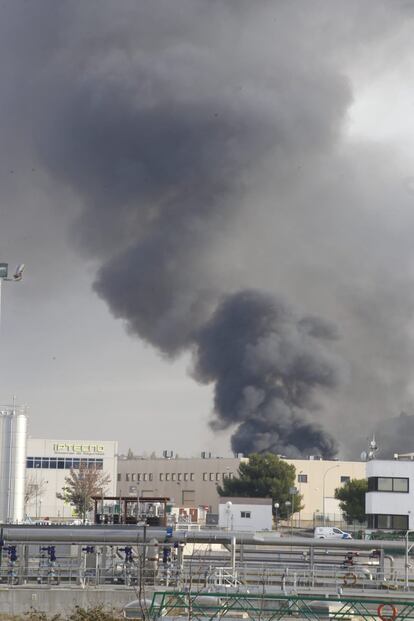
(251, 514)
(389, 502)
(48, 462)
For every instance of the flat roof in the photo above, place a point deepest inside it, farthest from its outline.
(240, 500)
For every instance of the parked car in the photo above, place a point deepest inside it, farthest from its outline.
(330, 532)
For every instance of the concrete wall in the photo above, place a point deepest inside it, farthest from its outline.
(53, 600)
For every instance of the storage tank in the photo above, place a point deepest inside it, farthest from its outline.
(13, 436)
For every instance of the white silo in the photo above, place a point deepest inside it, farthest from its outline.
(13, 436)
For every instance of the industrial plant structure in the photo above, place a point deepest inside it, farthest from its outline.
(13, 430)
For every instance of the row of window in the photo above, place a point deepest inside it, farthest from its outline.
(388, 522)
(303, 478)
(64, 463)
(388, 484)
(173, 476)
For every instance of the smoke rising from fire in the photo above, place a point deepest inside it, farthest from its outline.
(205, 148)
(266, 365)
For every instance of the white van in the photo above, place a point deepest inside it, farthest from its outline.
(330, 532)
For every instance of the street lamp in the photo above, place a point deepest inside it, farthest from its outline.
(276, 506)
(323, 489)
(4, 276)
(287, 505)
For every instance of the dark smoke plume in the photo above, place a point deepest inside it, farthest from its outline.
(266, 364)
(395, 435)
(204, 147)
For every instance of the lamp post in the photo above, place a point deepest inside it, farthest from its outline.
(323, 489)
(4, 276)
(276, 506)
(287, 505)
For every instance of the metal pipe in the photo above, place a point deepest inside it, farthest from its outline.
(233, 555)
(392, 565)
(132, 535)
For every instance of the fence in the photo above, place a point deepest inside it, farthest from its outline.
(311, 520)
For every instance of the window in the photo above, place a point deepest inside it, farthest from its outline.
(218, 476)
(204, 476)
(185, 476)
(384, 484)
(211, 476)
(144, 476)
(173, 476)
(179, 476)
(345, 479)
(138, 476)
(230, 475)
(245, 514)
(133, 476)
(388, 484)
(400, 522)
(167, 476)
(63, 463)
(118, 477)
(188, 497)
(192, 476)
(388, 522)
(127, 476)
(161, 476)
(150, 476)
(302, 478)
(400, 485)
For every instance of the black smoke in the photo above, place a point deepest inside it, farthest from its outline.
(266, 364)
(395, 435)
(204, 147)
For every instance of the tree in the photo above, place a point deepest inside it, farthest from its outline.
(352, 497)
(33, 491)
(265, 476)
(80, 486)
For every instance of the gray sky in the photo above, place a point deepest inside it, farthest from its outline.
(166, 153)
